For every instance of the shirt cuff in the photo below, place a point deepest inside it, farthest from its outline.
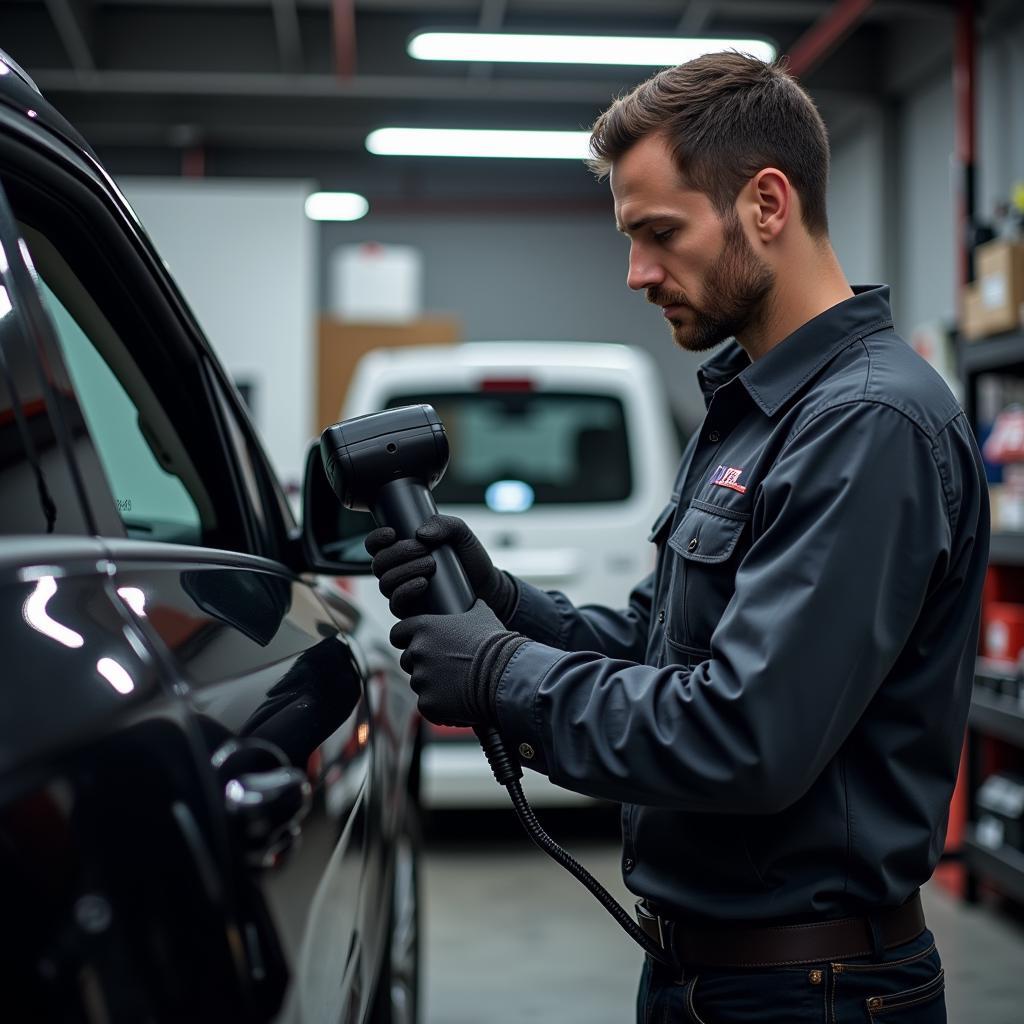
(539, 615)
(519, 721)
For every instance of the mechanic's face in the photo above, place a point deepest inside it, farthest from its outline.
(699, 267)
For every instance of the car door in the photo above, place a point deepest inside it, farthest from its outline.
(115, 907)
(273, 681)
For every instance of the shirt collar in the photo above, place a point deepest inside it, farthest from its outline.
(780, 373)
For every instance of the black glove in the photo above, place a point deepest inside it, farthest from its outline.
(455, 662)
(404, 567)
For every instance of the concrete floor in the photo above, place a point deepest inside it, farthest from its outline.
(510, 937)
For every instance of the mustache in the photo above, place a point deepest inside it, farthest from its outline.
(663, 297)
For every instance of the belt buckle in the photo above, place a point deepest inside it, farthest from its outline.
(650, 923)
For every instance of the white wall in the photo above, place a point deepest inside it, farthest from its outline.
(926, 207)
(856, 198)
(244, 254)
(532, 277)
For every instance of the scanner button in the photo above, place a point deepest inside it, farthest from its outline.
(525, 750)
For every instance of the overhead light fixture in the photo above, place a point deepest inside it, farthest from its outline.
(652, 51)
(336, 206)
(540, 145)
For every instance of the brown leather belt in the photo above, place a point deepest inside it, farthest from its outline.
(783, 945)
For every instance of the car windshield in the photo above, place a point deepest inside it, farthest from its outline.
(515, 448)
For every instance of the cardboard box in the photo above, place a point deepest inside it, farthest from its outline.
(340, 345)
(992, 304)
(972, 315)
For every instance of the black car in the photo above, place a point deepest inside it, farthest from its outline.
(208, 767)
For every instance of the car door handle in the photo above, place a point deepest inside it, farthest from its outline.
(266, 810)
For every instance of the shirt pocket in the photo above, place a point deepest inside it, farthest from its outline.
(706, 546)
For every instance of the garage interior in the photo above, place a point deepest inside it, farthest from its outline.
(218, 118)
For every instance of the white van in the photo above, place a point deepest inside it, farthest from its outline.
(562, 455)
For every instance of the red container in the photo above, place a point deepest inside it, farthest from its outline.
(1003, 631)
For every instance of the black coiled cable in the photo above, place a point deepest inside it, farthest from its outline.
(508, 773)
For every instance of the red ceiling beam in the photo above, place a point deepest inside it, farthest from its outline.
(825, 35)
(343, 29)
(964, 89)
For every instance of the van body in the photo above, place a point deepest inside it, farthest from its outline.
(563, 453)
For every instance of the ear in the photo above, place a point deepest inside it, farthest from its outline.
(774, 200)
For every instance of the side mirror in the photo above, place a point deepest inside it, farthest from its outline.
(332, 535)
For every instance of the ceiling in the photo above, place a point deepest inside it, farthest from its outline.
(293, 86)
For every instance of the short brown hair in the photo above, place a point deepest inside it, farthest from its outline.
(725, 116)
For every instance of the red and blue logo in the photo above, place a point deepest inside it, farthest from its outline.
(728, 476)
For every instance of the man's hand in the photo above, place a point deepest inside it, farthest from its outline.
(404, 567)
(455, 662)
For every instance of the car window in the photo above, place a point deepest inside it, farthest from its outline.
(151, 499)
(39, 495)
(514, 449)
(151, 476)
(40, 492)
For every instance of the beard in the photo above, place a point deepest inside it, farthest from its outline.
(735, 290)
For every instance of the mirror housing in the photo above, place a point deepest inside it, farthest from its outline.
(332, 536)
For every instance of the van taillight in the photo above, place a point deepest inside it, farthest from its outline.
(506, 384)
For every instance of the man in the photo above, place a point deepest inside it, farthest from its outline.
(781, 706)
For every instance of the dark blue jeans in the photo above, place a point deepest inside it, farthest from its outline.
(904, 985)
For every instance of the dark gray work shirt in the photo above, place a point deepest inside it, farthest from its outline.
(781, 707)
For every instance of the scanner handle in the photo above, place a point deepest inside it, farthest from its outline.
(405, 505)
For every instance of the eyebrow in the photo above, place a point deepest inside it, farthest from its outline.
(636, 225)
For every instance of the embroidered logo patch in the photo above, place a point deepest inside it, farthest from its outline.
(727, 476)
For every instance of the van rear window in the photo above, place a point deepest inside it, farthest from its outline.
(515, 449)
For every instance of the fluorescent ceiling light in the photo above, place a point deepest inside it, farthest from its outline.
(654, 51)
(542, 145)
(336, 206)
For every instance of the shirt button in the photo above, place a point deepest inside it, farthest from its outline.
(714, 437)
(525, 750)
(815, 977)
(692, 546)
(627, 864)
(661, 615)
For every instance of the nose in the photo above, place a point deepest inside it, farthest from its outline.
(644, 272)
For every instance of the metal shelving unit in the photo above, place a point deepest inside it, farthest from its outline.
(994, 715)
(1004, 866)
(1007, 548)
(997, 353)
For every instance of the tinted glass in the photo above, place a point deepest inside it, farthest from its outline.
(38, 491)
(151, 474)
(512, 450)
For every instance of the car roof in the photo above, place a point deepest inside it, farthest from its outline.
(18, 91)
